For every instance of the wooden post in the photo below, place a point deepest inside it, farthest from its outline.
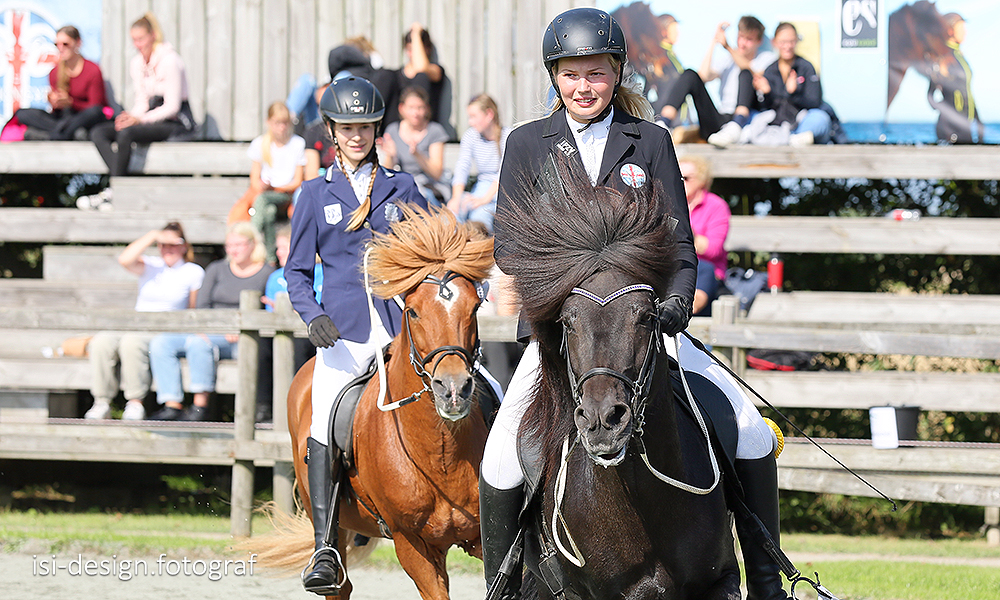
(993, 525)
(724, 312)
(243, 417)
(284, 370)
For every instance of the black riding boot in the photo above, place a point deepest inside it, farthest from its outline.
(759, 478)
(498, 514)
(325, 568)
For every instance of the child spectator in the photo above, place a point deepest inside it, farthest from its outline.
(166, 282)
(278, 162)
(76, 96)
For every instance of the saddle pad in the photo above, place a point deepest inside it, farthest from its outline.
(342, 415)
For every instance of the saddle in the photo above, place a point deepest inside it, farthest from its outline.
(342, 416)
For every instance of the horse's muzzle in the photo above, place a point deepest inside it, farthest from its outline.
(605, 428)
(453, 395)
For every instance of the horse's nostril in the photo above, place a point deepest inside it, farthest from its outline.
(583, 420)
(615, 416)
(440, 388)
(467, 388)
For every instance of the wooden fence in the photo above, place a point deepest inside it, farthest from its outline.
(241, 55)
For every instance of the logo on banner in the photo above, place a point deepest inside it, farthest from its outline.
(27, 41)
(632, 175)
(859, 24)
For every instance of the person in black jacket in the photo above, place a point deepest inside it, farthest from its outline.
(602, 122)
(791, 85)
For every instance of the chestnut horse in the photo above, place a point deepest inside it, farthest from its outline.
(415, 469)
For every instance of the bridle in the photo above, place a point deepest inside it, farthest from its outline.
(419, 363)
(639, 387)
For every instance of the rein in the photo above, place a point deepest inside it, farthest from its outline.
(419, 363)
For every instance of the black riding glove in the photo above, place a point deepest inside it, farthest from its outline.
(322, 332)
(674, 313)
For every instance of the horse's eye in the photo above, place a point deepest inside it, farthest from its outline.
(413, 314)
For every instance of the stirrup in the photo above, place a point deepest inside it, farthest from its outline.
(325, 590)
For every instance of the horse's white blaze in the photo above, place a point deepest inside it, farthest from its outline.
(456, 294)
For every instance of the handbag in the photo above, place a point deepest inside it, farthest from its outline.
(745, 284)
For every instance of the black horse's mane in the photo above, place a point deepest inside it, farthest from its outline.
(566, 232)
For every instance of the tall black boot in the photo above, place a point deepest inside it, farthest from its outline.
(498, 513)
(323, 574)
(759, 478)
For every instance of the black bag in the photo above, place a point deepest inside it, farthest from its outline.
(764, 359)
(745, 284)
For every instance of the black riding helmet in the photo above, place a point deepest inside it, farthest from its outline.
(583, 32)
(352, 100)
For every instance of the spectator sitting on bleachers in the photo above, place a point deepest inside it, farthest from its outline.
(423, 71)
(321, 154)
(76, 96)
(278, 161)
(167, 282)
(242, 269)
(482, 144)
(735, 69)
(160, 110)
(792, 90)
(710, 216)
(415, 145)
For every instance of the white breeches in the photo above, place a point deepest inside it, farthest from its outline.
(339, 365)
(502, 470)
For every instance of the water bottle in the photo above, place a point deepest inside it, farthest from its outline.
(775, 273)
(904, 214)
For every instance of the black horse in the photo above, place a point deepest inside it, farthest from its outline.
(628, 502)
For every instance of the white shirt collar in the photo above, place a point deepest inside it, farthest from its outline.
(359, 179)
(591, 142)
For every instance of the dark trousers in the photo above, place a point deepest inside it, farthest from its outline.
(62, 124)
(104, 135)
(709, 118)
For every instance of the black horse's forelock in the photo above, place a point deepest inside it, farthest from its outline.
(564, 231)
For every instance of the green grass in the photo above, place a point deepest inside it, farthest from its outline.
(900, 576)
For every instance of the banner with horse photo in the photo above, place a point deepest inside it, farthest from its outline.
(895, 71)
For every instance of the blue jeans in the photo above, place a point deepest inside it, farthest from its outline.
(818, 122)
(485, 213)
(203, 353)
(301, 100)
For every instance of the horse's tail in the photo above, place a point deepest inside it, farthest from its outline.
(286, 549)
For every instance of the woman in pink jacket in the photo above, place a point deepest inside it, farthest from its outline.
(710, 217)
(161, 107)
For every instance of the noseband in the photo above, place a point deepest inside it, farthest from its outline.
(639, 386)
(419, 363)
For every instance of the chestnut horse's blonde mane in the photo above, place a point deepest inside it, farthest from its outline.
(425, 243)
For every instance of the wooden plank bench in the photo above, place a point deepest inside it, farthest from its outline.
(874, 161)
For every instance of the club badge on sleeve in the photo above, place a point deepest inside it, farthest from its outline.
(333, 213)
(632, 175)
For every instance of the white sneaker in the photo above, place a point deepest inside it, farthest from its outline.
(134, 411)
(728, 135)
(100, 410)
(99, 201)
(798, 140)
